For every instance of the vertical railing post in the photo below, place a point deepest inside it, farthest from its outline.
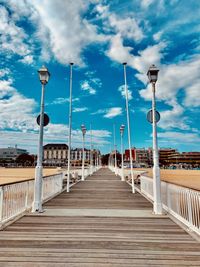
(26, 197)
(1, 204)
(189, 206)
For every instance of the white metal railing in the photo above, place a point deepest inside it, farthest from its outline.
(182, 203)
(17, 198)
(52, 185)
(87, 171)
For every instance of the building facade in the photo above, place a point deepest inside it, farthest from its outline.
(167, 157)
(11, 153)
(141, 157)
(57, 155)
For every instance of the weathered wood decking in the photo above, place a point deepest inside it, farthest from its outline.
(99, 223)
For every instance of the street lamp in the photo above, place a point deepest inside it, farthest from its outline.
(115, 149)
(44, 76)
(153, 76)
(122, 148)
(70, 127)
(83, 129)
(128, 126)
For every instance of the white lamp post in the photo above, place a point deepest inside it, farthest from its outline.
(44, 76)
(83, 129)
(122, 148)
(70, 127)
(91, 152)
(115, 149)
(128, 126)
(153, 76)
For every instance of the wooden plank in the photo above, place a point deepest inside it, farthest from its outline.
(93, 241)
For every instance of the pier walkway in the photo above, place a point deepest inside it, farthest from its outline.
(99, 223)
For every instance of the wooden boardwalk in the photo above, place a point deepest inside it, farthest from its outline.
(99, 223)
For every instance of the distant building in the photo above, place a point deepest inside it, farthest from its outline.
(140, 156)
(11, 153)
(55, 154)
(166, 154)
(167, 157)
(77, 154)
(185, 158)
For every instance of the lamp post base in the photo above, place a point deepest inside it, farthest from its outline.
(157, 208)
(37, 207)
(37, 203)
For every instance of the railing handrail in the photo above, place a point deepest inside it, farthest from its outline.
(181, 202)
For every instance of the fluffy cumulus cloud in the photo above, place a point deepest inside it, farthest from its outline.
(69, 31)
(173, 79)
(14, 39)
(172, 138)
(126, 27)
(16, 111)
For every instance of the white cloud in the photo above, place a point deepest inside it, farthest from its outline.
(4, 72)
(85, 86)
(29, 140)
(80, 109)
(192, 93)
(157, 36)
(69, 31)
(113, 112)
(180, 137)
(16, 111)
(27, 60)
(18, 123)
(100, 111)
(141, 62)
(117, 51)
(62, 100)
(91, 84)
(173, 118)
(126, 27)
(175, 77)
(146, 3)
(121, 89)
(13, 38)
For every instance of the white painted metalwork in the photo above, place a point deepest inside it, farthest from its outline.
(181, 202)
(17, 198)
(129, 128)
(70, 126)
(52, 185)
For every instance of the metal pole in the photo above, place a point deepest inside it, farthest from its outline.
(128, 125)
(37, 204)
(156, 169)
(70, 127)
(115, 148)
(122, 156)
(83, 158)
(91, 155)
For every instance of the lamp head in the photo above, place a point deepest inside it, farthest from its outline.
(122, 127)
(83, 128)
(153, 74)
(44, 75)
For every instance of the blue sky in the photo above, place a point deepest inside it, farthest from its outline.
(98, 36)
